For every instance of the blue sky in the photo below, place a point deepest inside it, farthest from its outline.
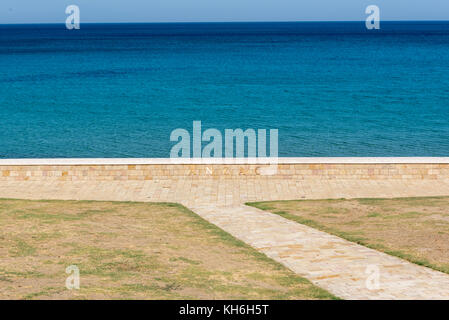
(53, 11)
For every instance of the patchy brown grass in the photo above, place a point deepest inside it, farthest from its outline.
(132, 251)
(415, 229)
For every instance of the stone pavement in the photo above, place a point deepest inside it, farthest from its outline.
(328, 261)
(220, 192)
(344, 268)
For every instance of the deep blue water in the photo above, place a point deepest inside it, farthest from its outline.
(118, 90)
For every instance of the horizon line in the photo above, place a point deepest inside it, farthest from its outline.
(199, 22)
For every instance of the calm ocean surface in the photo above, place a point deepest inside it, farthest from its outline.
(118, 90)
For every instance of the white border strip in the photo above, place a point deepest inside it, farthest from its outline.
(137, 161)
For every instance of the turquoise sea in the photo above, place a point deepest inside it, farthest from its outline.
(118, 90)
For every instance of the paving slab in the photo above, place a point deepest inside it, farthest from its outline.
(348, 270)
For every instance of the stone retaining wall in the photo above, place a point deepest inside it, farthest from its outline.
(71, 170)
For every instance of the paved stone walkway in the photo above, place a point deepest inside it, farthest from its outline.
(339, 266)
(220, 192)
(328, 261)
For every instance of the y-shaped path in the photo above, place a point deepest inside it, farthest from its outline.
(346, 269)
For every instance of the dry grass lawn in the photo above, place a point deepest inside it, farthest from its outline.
(416, 229)
(132, 251)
